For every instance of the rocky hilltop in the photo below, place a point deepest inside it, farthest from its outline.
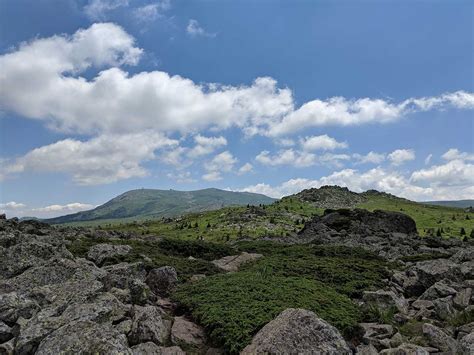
(53, 301)
(331, 197)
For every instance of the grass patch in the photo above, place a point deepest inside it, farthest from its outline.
(464, 317)
(348, 270)
(233, 307)
(424, 257)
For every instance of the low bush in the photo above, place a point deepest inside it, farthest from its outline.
(233, 307)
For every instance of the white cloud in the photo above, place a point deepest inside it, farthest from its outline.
(206, 145)
(428, 159)
(400, 156)
(42, 77)
(98, 9)
(41, 80)
(212, 176)
(453, 173)
(68, 208)
(151, 12)
(223, 162)
(246, 168)
(11, 205)
(339, 111)
(100, 160)
(194, 29)
(379, 179)
(455, 154)
(299, 159)
(370, 157)
(323, 142)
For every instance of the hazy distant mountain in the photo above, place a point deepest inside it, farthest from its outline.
(458, 203)
(148, 203)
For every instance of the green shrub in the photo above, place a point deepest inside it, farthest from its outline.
(233, 307)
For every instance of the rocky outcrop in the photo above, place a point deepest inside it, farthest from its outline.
(297, 331)
(54, 303)
(391, 235)
(232, 263)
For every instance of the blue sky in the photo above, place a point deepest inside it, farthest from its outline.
(98, 97)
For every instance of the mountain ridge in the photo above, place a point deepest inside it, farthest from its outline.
(152, 203)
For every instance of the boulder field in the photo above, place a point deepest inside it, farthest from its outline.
(52, 302)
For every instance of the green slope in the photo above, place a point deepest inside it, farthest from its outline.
(287, 216)
(149, 203)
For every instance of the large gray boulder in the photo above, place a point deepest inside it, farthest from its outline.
(432, 271)
(149, 324)
(100, 253)
(120, 275)
(297, 331)
(162, 280)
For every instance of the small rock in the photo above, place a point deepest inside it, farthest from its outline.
(444, 308)
(197, 277)
(437, 338)
(297, 331)
(151, 348)
(438, 290)
(149, 324)
(406, 349)
(396, 340)
(187, 334)
(366, 350)
(463, 298)
(162, 280)
(232, 263)
(6, 332)
(385, 300)
(466, 344)
(422, 304)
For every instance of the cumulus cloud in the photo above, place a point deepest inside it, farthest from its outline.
(400, 156)
(299, 159)
(339, 111)
(323, 142)
(181, 177)
(11, 205)
(246, 168)
(44, 79)
(194, 29)
(453, 173)
(455, 154)
(221, 163)
(98, 9)
(151, 12)
(206, 145)
(370, 157)
(100, 160)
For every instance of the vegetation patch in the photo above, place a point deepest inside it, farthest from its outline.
(348, 270)
(233, 307)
